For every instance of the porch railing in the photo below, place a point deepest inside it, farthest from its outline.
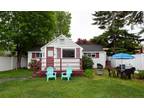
(60, 64)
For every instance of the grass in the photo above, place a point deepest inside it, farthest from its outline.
(15, 73)
(78, 87)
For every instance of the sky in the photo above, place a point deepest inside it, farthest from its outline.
(81, 25)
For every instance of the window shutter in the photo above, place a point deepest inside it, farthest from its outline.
(77, 52)
(97, 55)
(58, 52)
(33, 55)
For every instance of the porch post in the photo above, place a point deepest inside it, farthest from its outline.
(60, 64)
(81, 64)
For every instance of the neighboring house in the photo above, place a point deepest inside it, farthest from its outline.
(59, 53)
(96, 52)
(34, 54)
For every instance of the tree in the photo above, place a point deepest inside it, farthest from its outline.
(116, 37)
(24, 30)
(63, 20)
(83, 41)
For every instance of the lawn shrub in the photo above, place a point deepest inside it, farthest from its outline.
(35, 65)
(87, 62)
(88, 73)
(141, 75)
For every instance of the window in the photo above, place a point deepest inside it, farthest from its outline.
(68, 53)
(38, 55)
(89, 54)
(93, 55)
(50, 53)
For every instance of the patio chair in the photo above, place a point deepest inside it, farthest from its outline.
(99, 69)
(67, 74)
(50, 73)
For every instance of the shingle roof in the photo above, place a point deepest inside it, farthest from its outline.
(35, 49)
(93, 47)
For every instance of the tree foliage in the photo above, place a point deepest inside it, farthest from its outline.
(83, 41)
(116, 36)
(22, 31)
(87, 62)
(63, 22)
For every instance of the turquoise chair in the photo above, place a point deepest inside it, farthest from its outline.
(67, 74)
(50, 73)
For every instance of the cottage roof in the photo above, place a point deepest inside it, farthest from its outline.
(35, 49)
(92, 47)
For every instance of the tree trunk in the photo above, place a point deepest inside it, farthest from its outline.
(19, 60)
(114, 50)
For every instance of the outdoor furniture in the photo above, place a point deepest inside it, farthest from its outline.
(122, 56)
(50, 73)
(67, 74)
(99, 69)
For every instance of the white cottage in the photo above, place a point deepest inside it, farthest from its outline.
(59, 53)
(62, 52)
(96, 53)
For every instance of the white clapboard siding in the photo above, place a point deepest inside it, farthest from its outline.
(100, 60)
(43, 64)
(73, 67)
(74, 63)
(70, 64)
(71, 60)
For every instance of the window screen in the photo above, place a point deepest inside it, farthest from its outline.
(68, 53)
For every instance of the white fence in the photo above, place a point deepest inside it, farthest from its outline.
(9, 63)
(137, 62)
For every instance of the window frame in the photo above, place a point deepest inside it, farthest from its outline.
(92, 54)
(68, 49)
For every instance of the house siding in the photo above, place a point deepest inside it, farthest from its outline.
(101, 59)
(32, 56)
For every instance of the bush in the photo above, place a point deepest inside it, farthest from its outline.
(87, 62)
(88, 73)
(35, 65)
(141, 75)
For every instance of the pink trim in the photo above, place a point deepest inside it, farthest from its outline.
(33, 55)
(50, 60)
(77, 52)
(97, 55)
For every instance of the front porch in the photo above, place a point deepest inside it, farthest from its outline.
(60, 65)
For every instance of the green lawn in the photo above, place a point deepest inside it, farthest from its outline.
(15, 73)
(99, 86)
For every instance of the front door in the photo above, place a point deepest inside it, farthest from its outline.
(50, 56)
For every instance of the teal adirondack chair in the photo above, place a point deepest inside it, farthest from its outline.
(50, 73)
(67, 74)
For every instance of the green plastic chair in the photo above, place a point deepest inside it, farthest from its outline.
(50, 73)
(67, 74)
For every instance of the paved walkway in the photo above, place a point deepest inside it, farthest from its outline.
(12, 79)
